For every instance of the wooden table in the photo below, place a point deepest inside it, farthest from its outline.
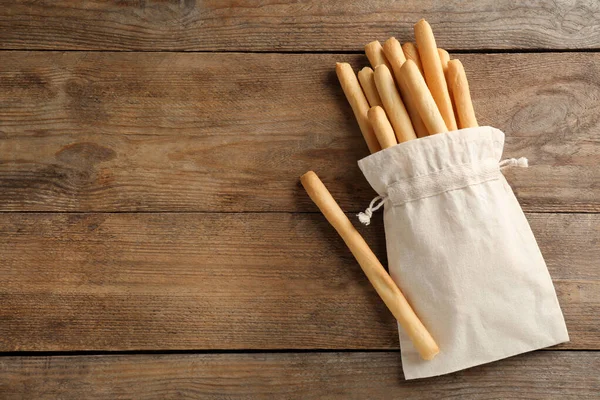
(155, 241)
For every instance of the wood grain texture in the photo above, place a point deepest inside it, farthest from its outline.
(315, 25)
(539, 375)
(202, 132)
(119, 281)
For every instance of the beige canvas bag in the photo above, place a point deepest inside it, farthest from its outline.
(461, 250)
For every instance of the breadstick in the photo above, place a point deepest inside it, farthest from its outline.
(459, 87)
(396, 57)
(444, 58)
(375, 54)
(358, 102)
(434, 74)
(382, 127)
(377, 275)
(394, 54)
(393, 105)
(411, 107)
(412, 53)
(422, 98)
(367, 82)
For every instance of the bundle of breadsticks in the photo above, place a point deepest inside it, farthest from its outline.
(411, 91)
(450, 217)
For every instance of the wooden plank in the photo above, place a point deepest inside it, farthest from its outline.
(539, 375)
(229, 281)
(201, 132)
(313, 25)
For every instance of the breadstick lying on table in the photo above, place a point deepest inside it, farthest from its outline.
(374, 52)
(358, 102)
(395, 56)
(377, 275)
(434, 74)
(412, 53)
(382, 127)
(394, 107)
(422, 98)
(366, 78)
(459, 88)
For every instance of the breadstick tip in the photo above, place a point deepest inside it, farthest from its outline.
(443, 53)
(373, 43)
(308, 176)
(390, 45)
(455, 67)
(422, 21)
(381, 67)
(374, 110)
(455, 63)
(409, 62)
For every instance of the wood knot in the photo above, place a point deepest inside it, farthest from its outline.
(85, 154)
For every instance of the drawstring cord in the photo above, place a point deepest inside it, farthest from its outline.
(365, 217)
(379, 201)
(514, 162)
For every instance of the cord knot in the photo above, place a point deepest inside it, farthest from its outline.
(376, 203)
(514, 162)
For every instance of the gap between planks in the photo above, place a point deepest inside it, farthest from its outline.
(84, 353)
(309, 52)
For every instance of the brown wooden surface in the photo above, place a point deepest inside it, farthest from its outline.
(85, 131)
(315, 25)
(149, 199)
(229, 281)
(541, 375)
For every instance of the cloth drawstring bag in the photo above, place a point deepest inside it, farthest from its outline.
(461, 250)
